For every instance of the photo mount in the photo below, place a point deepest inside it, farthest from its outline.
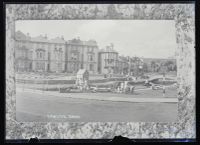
(187, 87)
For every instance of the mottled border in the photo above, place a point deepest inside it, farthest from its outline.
(183, 14)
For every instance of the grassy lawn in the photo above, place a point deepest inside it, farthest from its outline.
(34, 107)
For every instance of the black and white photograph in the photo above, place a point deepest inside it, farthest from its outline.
(100, 71)
(96, 70)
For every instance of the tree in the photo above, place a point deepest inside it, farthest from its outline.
(163, 69)
(169, 64)
(157, 68)
(145, 67)
(175, 68)
(153, 65)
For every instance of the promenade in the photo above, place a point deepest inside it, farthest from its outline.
(104, 96)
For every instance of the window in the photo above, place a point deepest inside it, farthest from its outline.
(40, 54)
(91, 67)
(90, 57)
(40, 65)
(37, 54)
(49, 56)
(110, 61)
(37, 66)
(74, 56)
(59, 66)
(74, 48)
(58, 53)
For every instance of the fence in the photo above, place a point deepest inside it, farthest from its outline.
(53, 82)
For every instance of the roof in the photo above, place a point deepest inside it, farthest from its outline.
(45, 39)
(57, 40)
(60, 40)
(21, 36)
(75, 41)
(90, 42)
(39, 39)
(108, 51)
(81, 71)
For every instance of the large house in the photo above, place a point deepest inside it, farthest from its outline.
(40, 54)
(123, 65)
(108, 61)
(81, 54)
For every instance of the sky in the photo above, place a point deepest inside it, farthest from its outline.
(142, 38)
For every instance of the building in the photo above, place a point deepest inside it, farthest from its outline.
(108, 61)
(23, 61)
(122, 65)
(56, 55)
(81, 54)
(39, 54)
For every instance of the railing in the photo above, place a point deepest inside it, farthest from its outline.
(51, 82)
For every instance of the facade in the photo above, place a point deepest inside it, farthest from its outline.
(56, 55)
(39, 54)
(122, 65)
(23, 61)
(81, 54)
(108, 61)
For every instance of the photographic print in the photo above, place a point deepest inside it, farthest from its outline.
(96, 70)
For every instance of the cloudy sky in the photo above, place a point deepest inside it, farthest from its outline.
(143, 38)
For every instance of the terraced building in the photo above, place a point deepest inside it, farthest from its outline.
(39, 54)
